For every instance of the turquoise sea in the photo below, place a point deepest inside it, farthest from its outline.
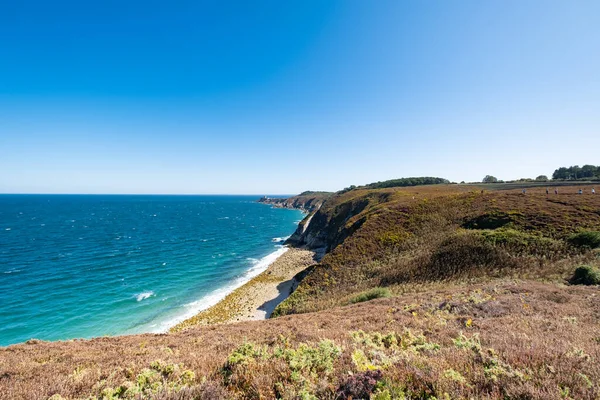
(79, 266)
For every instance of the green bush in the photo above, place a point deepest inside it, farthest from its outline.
(523, 243)
(492, 220)
(281, 371)
(466, 254)
(589, 239)
(586, 275)
(371, 294)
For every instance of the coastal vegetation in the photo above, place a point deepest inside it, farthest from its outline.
(375, 293)
(586, 275)
(402, 239)
(425, 292)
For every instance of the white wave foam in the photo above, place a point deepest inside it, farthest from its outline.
(144, 295)
(280, 239)
(217, 295)
(7, 229)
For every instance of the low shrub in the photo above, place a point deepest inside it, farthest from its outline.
(590, 239)
(375, 293)
(281, 371)
(161, 379)
(492, 220)
(359, 385)
(523, 243)
(466, 254)
(586, 275)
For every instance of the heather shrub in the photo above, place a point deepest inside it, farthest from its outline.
(466, 253)
(586, 275)
(280, 371)
(523, 243)
(589, 239)
(208, 390)
(310, 359)
(380, 351)
(161, 378)
(492, 220)
(359, 385)
(375, 293)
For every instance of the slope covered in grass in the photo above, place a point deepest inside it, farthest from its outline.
(403, 238)
(506, 339)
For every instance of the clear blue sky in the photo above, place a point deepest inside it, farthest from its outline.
(285, 96)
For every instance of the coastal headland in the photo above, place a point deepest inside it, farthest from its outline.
(426, 291)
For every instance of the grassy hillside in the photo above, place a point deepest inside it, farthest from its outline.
(440, 291)
(412, 238)
(506, 339)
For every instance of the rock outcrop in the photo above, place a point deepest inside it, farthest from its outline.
(306, 201)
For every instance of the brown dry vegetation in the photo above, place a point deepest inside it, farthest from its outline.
(408, 238)
(514, 339)
(482, 309)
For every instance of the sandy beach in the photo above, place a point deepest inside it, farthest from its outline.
(256, 299)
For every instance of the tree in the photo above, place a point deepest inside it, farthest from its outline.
(561, 173)
(576, 172)
(589, 171)
(403, 182)
(490, 179)
(542, 178)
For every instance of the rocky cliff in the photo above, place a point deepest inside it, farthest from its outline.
(333, 221)
(306, 201)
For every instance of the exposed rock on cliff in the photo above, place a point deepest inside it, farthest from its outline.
(306, 201)
(327, 226)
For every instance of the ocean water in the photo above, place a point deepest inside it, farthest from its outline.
(79, 266)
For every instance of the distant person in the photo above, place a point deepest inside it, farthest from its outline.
(593, 191)
(580, 191)
(547, 192)
(556, 191)
(523, 191)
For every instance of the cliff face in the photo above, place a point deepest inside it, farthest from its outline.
(333, 221)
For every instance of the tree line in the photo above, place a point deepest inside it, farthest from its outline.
(402, 182)
(574, 172)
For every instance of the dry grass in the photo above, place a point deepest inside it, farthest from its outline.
(409, 236)
(495, 340)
